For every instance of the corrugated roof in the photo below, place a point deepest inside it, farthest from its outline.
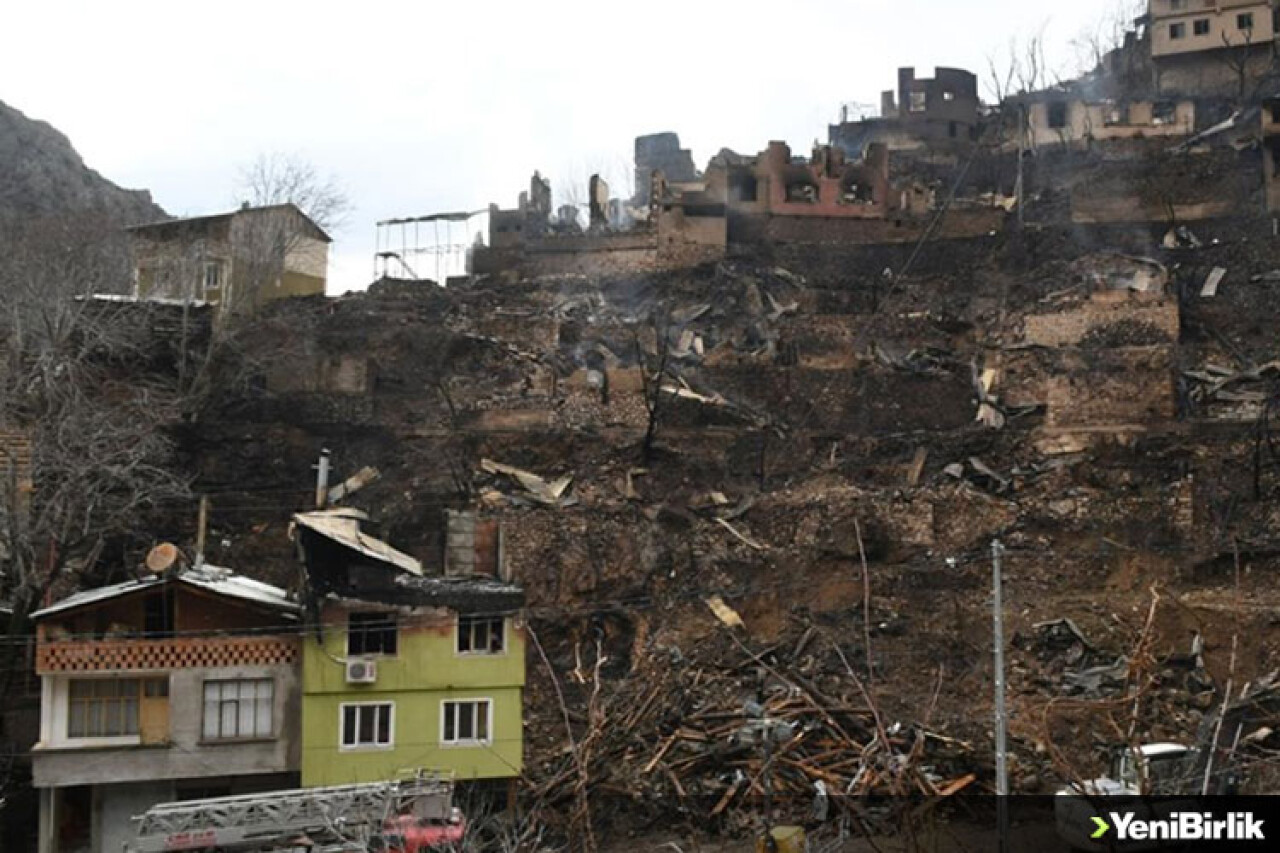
(343, 526)
(210, 578)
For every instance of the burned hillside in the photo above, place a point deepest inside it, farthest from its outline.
(691, 468)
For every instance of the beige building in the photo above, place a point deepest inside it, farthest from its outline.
(1187, 26)
(237, 260)
(1211, 46)
(1072, 121)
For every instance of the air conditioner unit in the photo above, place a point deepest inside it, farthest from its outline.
(361, 672)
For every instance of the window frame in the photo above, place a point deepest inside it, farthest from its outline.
(372, 616)
(1244, 21)
(390, 743)
(1178, 31)
(472, 621)
(212, 269)
(458, 742)
(272, 728)
(122, 701)
(1201, 27)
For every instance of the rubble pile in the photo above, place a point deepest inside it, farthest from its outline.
(714, 736)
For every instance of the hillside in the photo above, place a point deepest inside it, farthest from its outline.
(42, 175)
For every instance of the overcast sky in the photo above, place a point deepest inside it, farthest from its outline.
(420, 107)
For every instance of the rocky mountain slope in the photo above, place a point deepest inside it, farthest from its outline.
(42, 175)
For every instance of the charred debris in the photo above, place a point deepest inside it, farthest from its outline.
(746, 437)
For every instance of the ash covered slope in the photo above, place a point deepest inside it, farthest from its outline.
(41, 175)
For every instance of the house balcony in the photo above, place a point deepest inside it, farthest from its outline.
(114, 654)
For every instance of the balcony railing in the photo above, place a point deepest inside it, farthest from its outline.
(112, 655)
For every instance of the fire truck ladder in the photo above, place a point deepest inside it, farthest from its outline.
(344, 817)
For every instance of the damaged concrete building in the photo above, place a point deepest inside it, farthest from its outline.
(924, 113)
(737, 202)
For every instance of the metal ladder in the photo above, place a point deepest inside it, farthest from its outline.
(334, 818)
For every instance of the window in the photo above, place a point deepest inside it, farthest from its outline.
(466, 722)
(371, 634)
(103, 707)
(1178, 31)
(238, 709)
(1200, 26)
(948, 96)
(1177, 5)
(367, 725)
(1058, 115)
(212, 275)
(918, 102)
(1244, 21)
(481, 635)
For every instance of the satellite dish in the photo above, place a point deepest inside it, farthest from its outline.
(162, 558)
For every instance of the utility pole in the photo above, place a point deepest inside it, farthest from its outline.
(1022, 150)
(1002, 767)
(322, 479)
(202, 530)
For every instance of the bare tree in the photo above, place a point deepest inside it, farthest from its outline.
(655, 367)
(85, 453)
(277, 178)
(1096, 41)
(275, 238)
(1237, 57)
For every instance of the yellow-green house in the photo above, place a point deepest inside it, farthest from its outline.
(402, 672)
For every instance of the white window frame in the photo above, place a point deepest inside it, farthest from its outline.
(457, 638)
(343, 746)
(466, 742)
(204, 710)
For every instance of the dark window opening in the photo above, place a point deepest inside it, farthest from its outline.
(744, 187)
(953, 130)
(157, 614)
(853, 191)
(1163, 112)
(481, 635)
(371, 634)
(1058, 115)
(1244, 21)
(1201, 27)
(1177, 31)
(802, 192)
(1274, 110)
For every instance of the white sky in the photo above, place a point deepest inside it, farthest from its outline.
(425, 106)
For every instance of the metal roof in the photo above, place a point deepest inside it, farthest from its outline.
(210, 578)
(343, 526)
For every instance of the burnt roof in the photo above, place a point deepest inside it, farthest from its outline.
(464, 594)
